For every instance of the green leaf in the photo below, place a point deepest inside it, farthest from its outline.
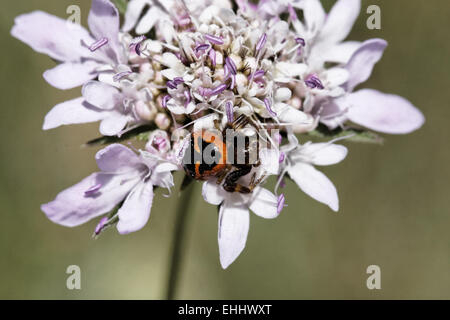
(352, 134)
(141, 133)
(121, 5)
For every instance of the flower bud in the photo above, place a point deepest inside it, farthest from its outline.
(162, 121)
(145, 111)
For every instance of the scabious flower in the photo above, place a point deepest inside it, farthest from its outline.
(195, 67)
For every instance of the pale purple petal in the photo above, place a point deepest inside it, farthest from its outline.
(363, 60)
(104, 22)
(314, 14)
(148, 20)
(340, 20)
(264, 203)
(324, 154)
(113, 124)
(70, 75)
(338, 53)
(383, 112)
(135, 211)
(72, 112)
(56, 37)
(117, 158)
(315, 184)
(234, 223)
(101, 95)
(73, 207)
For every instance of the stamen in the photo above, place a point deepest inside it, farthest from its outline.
(202, 47)
(280, 203)
(312, 81)
(300, 41)
(119, 76)
(219, 89)
(98, 44)
(92, 190)
(212, 57)
(230, 64)
(229, 111)
(261, 42)
(282, 157)
(268, 107)
(135, 44)
(100, 225)
(292, 13)
(213, 39)
(187, 95)
(165, 100)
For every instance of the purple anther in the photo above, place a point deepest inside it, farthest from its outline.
(178, 80)
(231, 66)
(202, 47)
(226, 71)
(213, 39)
(100, 225)
(212, 57)
(204, 92)
(187, 96)
(171, 84)
(229, 111)
(165, 99)
(258, 74)
(313, 82)
(233, 82)
(119, 76)
(92, 190)
(282, 156)
(268, 107)
(280, 203)
(160, 143)
(261, 42)
(98, 44)
(219, 89)
(300, 41)
(135, 44)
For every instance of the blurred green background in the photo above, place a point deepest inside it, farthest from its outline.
(394, 201)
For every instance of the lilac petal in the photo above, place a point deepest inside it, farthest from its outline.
(231, 66)
(72, 207)
(113, 124)
(72, 112)
(104, 22)
(117, 158)
(56, 37)
(340, 20)
(338, 53)
(71, 74)
(264, 204)
(363, 60)
(148, 20)
(234, 223)
(135, 211)
(382, 112)
(101, 95)
(315, 184)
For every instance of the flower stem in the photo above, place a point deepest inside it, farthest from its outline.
(179, 233)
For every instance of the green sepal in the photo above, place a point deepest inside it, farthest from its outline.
(121, 5)
(353, 134)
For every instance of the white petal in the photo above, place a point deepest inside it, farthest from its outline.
(135, 211)
(72, 112)
(264, 203)
(233, 230)
(134, 10)
(70, 75)
(288, 114)
(335, 77)
(315, 184)
(337, 53)
(363, 60)
(314, 15)
(101, 95)
(382, 112)
(340, 21)
(212, 192)
(269, 160)
(148, 20)
(324, 154)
